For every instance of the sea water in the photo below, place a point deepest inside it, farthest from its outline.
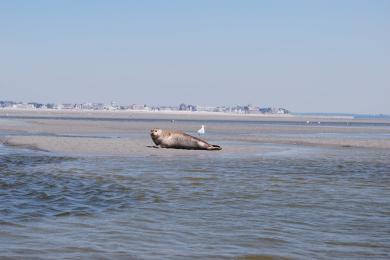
(290, 201)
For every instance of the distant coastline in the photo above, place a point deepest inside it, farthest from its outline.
(114, 106)
(119, 113)
(113, 109)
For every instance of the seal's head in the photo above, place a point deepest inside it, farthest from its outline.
(155, 132)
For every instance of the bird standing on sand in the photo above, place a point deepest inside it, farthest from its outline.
(201, 131)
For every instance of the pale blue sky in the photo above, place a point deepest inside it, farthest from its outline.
(307, 56)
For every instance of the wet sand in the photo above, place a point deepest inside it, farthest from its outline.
(124, 136)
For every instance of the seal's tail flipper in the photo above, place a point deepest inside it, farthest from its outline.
(214, 147)
(152, 146)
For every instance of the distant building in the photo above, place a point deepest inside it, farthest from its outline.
(51, 106)
(66, 106)
(283, 111)
(273, 110)
(87, 106)
(184, 107)
(6, 103)
(23, 106)
(114, 104)
(167, 108)
(139, 107)
(237, 109)
(78, 106)
(249, 109)
(97, 106)
(221, 109)
(206, 109)
(36, 105)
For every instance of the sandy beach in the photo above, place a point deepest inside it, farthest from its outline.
(111, 133)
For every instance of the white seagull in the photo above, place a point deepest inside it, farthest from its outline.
(201, 131)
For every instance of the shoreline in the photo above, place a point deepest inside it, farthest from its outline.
(178, 115)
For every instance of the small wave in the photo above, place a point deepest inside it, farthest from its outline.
(74, 213)
(10, 223)
(262, 257)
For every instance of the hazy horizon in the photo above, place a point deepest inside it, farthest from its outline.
(305, 56)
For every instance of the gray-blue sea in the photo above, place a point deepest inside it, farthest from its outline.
(292, 201)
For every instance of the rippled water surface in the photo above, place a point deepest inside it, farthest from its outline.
(290, 201)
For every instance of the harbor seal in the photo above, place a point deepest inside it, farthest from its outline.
(180, 140)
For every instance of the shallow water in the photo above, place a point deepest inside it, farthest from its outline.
(286, 201)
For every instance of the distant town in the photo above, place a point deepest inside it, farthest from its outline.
(113, 106)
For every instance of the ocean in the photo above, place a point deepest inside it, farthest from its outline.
(260, 200)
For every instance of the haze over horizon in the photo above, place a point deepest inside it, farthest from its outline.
(306, 56)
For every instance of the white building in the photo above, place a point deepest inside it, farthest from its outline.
(206, 108)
